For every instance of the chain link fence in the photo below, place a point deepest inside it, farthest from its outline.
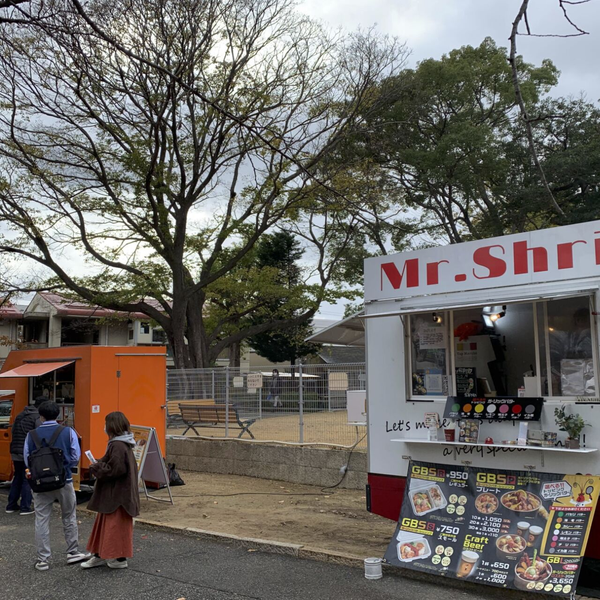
(303, 404)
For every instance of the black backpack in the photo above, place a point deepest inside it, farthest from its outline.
(46, 463)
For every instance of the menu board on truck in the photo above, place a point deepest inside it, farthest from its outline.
(517, 530)
(501, 408)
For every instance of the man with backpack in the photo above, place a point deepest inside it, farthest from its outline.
(25, 421)
(50, 452)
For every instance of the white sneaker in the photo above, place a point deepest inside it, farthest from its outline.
(42, 565)
(95, 561)
(75, 557)
(116, 564)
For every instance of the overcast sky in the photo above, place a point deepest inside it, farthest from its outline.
(431, 28)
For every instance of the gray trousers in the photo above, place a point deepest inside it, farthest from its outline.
(43, 511)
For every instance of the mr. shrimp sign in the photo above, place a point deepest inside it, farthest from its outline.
(547, 255)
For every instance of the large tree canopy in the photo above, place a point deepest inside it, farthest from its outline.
(161, 138)
(452, 145)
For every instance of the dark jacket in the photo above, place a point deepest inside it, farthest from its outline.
(117, 481)
(275, 388)
(25, 421)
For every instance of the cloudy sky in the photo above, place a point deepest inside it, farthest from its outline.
(431, 28)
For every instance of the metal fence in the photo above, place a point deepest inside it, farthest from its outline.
(304, 404)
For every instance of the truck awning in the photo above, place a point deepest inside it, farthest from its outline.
(35, 369)
(439, 305)
(347, 332)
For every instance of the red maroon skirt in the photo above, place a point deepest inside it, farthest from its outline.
(112, 535)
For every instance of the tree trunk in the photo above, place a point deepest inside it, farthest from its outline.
(234, 355)
(181, 355)
(196, 333)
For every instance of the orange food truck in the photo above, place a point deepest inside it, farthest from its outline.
(87, 382)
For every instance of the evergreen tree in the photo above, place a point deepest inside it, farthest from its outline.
(281, 251)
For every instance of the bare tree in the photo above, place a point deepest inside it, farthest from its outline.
(528, 120)
(174, 131)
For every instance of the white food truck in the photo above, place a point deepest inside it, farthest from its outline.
(514, 317)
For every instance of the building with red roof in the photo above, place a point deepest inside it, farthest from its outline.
(51, 320)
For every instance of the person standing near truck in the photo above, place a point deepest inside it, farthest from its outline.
(26, 420)
(48, 436)
(116, 497)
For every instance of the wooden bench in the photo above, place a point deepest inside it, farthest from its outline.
(215, 415)
(174, 412)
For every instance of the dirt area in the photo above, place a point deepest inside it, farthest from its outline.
(334, 520)
(321, 427)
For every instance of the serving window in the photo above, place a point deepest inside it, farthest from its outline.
(537, 348)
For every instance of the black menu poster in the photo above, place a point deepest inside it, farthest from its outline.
(517, 530)
(466, 382)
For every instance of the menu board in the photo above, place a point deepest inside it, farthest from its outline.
(466, 381)
(141, 435)
(516, 530)
(503, 408)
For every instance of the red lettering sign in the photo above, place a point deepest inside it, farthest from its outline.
(483, 257)
(540, 258)
(410, 270)
(433, 272)
(558, 254)
(565, 254)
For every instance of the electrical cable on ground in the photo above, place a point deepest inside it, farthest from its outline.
(323, 492)
(347, 466)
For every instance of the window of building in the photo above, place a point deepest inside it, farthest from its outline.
(145, 328)
(159, 336)
(534, 348)
(79, 332)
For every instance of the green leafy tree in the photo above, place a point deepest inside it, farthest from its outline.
(279, 254)
(445, 140)
(160, 139)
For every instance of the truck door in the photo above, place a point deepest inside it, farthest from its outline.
(142, 390)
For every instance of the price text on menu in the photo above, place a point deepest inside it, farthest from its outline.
(518, 530)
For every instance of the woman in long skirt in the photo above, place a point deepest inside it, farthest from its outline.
(116, 498)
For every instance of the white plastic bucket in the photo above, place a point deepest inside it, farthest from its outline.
(373, 568)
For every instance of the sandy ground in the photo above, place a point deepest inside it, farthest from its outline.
(322, 427)
(334, 520)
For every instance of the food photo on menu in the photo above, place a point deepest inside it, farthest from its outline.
(518, 530)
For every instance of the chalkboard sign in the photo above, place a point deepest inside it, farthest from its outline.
(466, 382)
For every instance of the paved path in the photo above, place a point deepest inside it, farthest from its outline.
(173, 566)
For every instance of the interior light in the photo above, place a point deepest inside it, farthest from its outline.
(550, 328)
(436, 318)
(499, 315)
